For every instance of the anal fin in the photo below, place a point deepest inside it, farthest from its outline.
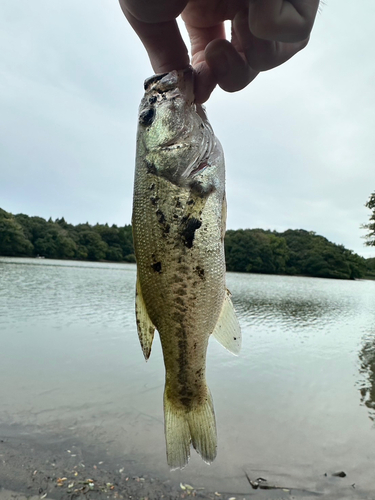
(227, 330)
(145, 327)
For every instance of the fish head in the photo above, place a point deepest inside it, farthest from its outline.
(174, 132)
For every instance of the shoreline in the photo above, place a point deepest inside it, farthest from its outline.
(42, 466)
(46, 259)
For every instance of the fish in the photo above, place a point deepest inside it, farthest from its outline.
(179, 221)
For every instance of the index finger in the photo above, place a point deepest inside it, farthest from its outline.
(162, 40)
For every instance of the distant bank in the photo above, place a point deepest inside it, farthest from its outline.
(293, 252)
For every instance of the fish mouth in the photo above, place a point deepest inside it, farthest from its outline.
(170, 85)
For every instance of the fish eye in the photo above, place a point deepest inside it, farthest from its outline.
(147, 117)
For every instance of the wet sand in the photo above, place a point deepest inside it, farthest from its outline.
(37, 465)
(61, 468)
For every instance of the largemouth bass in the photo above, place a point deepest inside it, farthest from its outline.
(179, 216)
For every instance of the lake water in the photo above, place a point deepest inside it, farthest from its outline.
(298, 403)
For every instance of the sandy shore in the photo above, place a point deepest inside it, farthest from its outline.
(61, 467)
(33, 471)
(41, 467)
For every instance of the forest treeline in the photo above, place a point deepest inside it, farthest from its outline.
(293, 252)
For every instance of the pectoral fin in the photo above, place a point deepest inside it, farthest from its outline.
(227, 330)
(145, 327)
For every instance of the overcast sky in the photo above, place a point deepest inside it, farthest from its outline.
(299, 141)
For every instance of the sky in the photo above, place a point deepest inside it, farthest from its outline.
(299, 141)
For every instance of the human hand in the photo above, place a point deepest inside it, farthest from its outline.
(265, 34)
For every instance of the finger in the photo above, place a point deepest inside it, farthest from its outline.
(205, 80)
(163, 43)
(150, 11)
(201, 37)
(260, 54)
(282, 20)
(231, 70)
(264, 55)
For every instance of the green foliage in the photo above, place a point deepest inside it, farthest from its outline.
(370, 265)
(21, 235)
(370, 237)
(256, 251)
(294, 252)
(13, 241)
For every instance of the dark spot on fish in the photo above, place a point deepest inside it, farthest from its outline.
(184, 269)
(152, 187)
(185, 394)
(156, 267)
(184, 391)
(179, 301)
(162, 221)
(178, 203)
(195, 345)
(175, 216)
(178, 316)
(190, 202)
(181, 292)
(186, 401)
(161, 216)
(177, 278)
(151, 169)
(182, 344)
(147, 117)
(202, 191)
(200, 272)
(154, 199)
(189, 226)
(182, 361)
(152, 99)
(234, 338)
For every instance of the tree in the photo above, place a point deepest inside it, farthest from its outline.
(370, 237)
(95, 246)
(13, 242)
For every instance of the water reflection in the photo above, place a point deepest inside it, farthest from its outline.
(367, 370)
(291, 301)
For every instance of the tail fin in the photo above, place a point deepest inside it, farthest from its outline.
(183, 426)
